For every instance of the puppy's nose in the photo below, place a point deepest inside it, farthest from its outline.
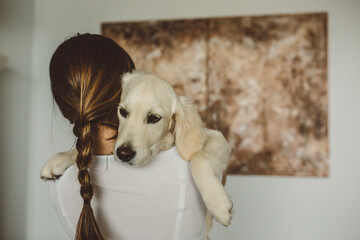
(125, 153)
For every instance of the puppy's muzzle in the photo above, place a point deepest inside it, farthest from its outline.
(125, 153)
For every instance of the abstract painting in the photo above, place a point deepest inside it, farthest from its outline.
(260, 80)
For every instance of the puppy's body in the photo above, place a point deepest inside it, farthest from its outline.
(151, 119)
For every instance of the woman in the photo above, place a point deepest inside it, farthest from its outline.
(158, 201)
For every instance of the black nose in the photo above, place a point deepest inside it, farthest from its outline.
(125, 153)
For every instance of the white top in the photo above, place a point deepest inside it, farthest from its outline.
(159, 201)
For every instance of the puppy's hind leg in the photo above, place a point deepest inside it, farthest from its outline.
(208, 222)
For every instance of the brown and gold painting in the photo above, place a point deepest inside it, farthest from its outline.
(261, 81)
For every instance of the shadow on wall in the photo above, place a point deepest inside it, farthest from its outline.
(14, 126)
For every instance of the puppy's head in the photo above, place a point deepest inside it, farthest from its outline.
(149, 114)
(145, 111)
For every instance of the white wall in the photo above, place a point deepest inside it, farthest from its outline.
(265, 207)
(16, 26)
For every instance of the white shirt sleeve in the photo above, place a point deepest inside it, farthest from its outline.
(159, 201)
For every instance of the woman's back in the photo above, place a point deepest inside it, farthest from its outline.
(156, 202)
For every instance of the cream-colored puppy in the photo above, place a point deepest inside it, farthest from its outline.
(151, 118)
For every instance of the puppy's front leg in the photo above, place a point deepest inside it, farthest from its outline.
(206, 166)
(56, 166)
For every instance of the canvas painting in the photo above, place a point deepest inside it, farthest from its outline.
(260, 80)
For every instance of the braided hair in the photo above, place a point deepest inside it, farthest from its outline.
(85, 75)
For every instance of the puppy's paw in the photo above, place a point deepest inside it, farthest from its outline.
(220, 207)
(54, 168)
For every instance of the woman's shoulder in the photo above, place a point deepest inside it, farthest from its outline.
(168, 162)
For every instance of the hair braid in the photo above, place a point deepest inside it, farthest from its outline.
(87, 228)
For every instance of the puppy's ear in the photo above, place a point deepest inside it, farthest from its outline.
(189, 136)
(125, 78)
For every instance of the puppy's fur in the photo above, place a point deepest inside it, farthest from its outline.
(151, 119)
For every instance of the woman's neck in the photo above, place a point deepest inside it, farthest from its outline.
(102, 144)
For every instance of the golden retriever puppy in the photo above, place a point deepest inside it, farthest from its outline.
(152, 118)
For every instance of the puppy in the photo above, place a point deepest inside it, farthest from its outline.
(151, 119)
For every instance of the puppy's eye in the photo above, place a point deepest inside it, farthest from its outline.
(152, 118)
(123, 112)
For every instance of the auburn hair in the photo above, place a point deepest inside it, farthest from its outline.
(85, 75)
